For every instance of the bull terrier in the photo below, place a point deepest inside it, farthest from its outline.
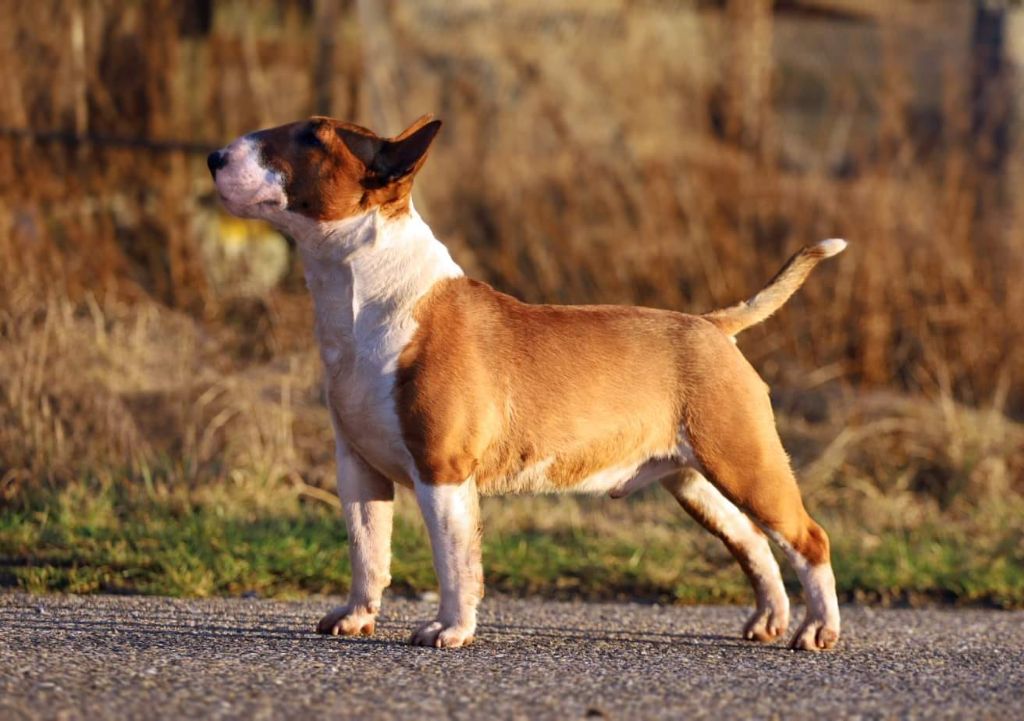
(441, 384)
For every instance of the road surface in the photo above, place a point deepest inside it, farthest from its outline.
(153, 658)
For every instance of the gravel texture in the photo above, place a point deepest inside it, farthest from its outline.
(134, 657)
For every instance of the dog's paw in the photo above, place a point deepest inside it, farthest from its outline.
(814, 635)
(767, 624)
(437, 635)
(348, 621)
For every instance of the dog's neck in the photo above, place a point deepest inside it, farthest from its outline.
(366, 275)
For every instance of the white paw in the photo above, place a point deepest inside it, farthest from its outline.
(815, 635)
(437, 635)
(348, 621)
(768, 623)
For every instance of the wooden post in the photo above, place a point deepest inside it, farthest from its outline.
(325, 20)
(990, 102)
(749, 69)
(379, 98)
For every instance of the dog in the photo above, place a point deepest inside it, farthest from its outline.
(442, 384)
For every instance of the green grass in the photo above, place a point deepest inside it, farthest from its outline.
(93, 537)
(939, 563)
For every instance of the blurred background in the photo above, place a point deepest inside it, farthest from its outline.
(162, 427)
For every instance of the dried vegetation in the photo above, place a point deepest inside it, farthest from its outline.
(595, 152)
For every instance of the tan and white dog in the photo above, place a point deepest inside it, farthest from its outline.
(441, 384)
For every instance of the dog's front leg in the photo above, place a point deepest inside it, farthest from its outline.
(368, 501)
(452, 515)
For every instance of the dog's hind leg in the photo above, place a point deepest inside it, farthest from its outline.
(767, 491)
(368, 501)
(748, 545)
(452, 515)
(732, 432)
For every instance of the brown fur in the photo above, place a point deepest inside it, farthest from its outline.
(494, 390)
(324, 180)
(786, 282)
(580, 384)
(699, 512)
(490, 385)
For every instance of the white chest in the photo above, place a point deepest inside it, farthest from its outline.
(359, 371)
(365, 294)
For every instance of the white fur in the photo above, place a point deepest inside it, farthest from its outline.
(771, 617)
(246, 188)
(366, 275)
(732, 522)
(368, 502)
(617, 481)
(452, 515)
(650, 472)
(832, 246)
(819, 584)
(642, 475)
(607, 480)
(532, 479)
(367, 499)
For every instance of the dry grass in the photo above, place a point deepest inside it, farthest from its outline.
(581, 161)
(139, 457)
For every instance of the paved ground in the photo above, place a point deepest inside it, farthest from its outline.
(131, 657)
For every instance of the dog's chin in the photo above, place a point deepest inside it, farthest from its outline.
(253, 209)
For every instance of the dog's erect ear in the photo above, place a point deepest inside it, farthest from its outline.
(389, 160)
(404, 155)
(364, 147)
(417, 124)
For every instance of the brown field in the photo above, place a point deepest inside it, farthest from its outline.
(592, 152)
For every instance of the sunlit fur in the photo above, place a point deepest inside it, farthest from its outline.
(442, 384)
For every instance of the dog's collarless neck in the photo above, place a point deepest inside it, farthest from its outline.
(367, 274)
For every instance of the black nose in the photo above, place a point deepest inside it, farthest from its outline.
(215, 161)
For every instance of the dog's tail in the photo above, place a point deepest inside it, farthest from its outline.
(744, 314)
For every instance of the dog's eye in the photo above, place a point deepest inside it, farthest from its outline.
(308, 138)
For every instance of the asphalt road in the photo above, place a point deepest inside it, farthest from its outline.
(152, 658)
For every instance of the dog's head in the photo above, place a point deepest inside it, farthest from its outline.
(320, 170)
